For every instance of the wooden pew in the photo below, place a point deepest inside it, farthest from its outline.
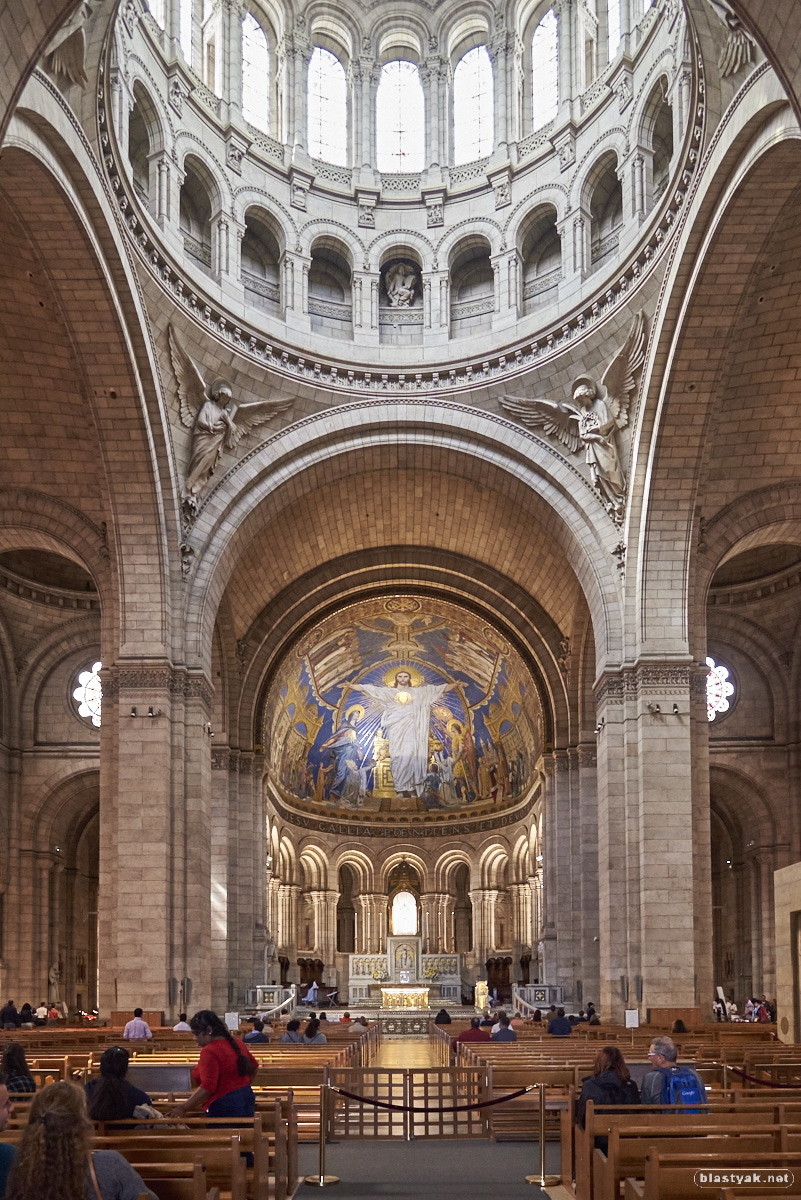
(222, 1163)
(669, 1176)
(628, 1150)
(176, 1181)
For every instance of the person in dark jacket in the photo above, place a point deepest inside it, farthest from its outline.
(610, 1083)
(560, 1026)
(15, 1066)
(9, 1017)
(112, 1097)
(443, 1017)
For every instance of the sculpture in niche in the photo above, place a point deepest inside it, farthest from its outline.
(592, 417)
(401, 281)
(216, 422)
(66, 51)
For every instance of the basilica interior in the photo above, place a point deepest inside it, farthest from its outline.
(399, 522)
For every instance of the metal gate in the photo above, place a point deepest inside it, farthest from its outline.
(419, 1093)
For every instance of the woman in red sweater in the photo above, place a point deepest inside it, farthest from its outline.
(223, 1073)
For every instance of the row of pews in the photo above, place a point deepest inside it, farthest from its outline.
(640, 1153)
(191, 1157)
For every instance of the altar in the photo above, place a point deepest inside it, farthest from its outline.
(404, 997)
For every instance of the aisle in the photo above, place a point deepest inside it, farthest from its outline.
(469, 1169)
(399, 1053)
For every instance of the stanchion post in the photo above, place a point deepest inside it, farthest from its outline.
(321, 1179)
(543, 1180)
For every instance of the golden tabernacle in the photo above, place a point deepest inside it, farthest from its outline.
(404, 997)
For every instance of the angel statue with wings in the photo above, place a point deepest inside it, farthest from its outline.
(216, 422)
(592, 417)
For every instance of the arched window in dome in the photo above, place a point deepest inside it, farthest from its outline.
(718, 689)
(400, 118)
(157, 11)
(472, 107)
(185, 28)
(544, 71)
(612, 28)
(255, 73)
(328, 108)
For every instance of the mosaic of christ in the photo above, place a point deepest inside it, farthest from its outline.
(403, 704)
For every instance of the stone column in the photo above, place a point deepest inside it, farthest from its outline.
(520, 898)
(232, 13)
(561, 823)
(324, 904)
(160, 186)
(653, 841)
(566, 32)
(435, 78)
(587, 866)
(484, 901)
(365, 76)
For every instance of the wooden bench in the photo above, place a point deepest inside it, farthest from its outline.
(628, 1150)
(669, 1176)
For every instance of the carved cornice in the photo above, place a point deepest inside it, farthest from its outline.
(647, 679)
(178, 682)
(396, 827)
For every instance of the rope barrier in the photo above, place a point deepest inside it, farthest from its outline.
(453, 1109)
(764, 1082)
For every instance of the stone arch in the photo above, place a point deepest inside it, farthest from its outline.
(218, 561)
(361, 864)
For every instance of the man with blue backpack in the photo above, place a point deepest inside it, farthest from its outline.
(667, 1082)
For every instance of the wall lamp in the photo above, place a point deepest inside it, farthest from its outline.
(653, 708)
(675, 709)
(208, 729)
(151, 712)
(599, 728)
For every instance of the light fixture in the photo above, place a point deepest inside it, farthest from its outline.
(208, 729)
(675, 709)
(600, 726)
(153, 712)
(133, 712)
(653, 708)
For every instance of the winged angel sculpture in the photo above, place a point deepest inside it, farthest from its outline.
(592, 417)
(217, 423)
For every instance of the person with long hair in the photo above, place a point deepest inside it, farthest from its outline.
(610, 1083)
(312, 1034)
(55, 1160)
(224, 1071)
(112, 1097)
(15, 1067)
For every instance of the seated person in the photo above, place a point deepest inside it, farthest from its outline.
(15, 1067)
(487, 1020)
(443, 1017)
(359, 1025)
(112, 1097)
(474, 1034)
(26, 1016)
(40, 1014)
(57, 1138)
(610, 1083)
(505, 1033)
(257, 1032)
(536, 1018)
(293, 1035)
(663, 1054)
(313, 1035)
(560, 1026)
(183, 1025)
(516, 1021)
(345, 1018)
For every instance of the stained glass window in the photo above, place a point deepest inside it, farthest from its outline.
(89, 693)
(718, 689)
(472, 107)
(544, 71)
(400, 119)
(255, 74)
(328, 108)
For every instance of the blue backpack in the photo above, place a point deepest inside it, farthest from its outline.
(681, 1086)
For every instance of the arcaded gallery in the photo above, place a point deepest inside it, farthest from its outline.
(400, 508)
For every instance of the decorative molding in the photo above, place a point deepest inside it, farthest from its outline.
(162, 678)
(396, 827)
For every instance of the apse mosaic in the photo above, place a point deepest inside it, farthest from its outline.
(403, 704)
